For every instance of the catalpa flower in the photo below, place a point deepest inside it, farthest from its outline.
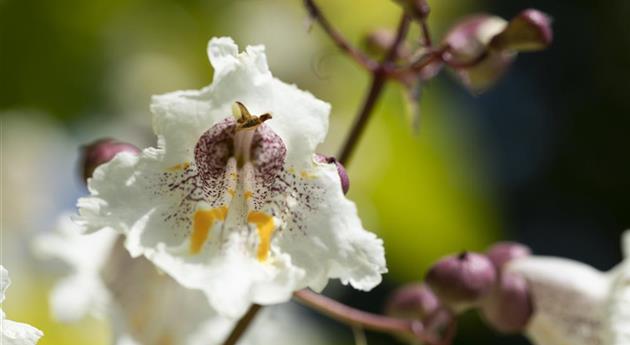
(576, 304)
(234, 201)
(11, 332)
(103, 279)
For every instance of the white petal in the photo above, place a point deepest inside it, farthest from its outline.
(230, 278)
(181, 117)
(84, 255)
(569, 300)
(617, 329)
(16, 333)
(332, 242)
(149, 307)
(4, 282)
(77, 296)
(11, 332)
(78, 251)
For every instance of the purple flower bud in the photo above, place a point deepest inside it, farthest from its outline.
(509, 307)
(412, 301)
(102, 151)
(460, 281)
(343, 176)
(468, 43)
(415, 8)
(380, 40)
(530, 30)
(504, 252)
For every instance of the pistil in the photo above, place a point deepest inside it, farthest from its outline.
(245, 130)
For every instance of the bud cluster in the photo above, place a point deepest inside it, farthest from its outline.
(470, 280)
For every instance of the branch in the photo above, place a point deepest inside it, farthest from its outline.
(359, 318)
(316, 14)
(379, 76)
(242, 325)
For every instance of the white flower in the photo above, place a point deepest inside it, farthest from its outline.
(146, 307)
(14, 333)
(575, 304)
(235, 207)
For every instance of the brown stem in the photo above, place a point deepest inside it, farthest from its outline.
(379, 77)
(424, 10)
(359, 318)
(317, 15)
(361, 120)
(242, 325)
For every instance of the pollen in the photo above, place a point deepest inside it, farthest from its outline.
(265, 226)
(203, 220)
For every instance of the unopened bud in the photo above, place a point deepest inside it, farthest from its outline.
(415, 8)
(468, 44)
(343, 175)
(460, 281)
(509, 307)
(412, 301)
(504, 252)
(381, 40)
(529, 31)
(100, 152)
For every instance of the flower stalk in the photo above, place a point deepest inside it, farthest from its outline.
(359, 318)
(379, 77)
(242, 325)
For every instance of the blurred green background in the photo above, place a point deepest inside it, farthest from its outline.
(541, 158)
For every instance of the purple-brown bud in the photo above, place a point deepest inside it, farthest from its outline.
(504, 252)
(460, 281)
(530, 30)
(343, 176)
(412, 301)
(102, 151)
(380, 41)
(479, 67)
(509, 307)
(415, 8)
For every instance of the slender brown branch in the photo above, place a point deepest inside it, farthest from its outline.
(242, 325)
(379, 77)
(359, 318)
(424, 10)
(361, 120)
(317, 15)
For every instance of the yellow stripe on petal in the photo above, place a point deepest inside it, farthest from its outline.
(203, 220)
(180, 166)
(265, 226)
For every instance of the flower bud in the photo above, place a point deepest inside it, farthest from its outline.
(509, 307)
(343, 176)
(415, 8)
(504, 252)
(380, 41)
(412, 301)
(529, 31)
(468, 46)
(460, 281)
(102, 151)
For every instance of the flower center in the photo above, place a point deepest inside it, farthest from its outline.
(238, 162)
(245, 130)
